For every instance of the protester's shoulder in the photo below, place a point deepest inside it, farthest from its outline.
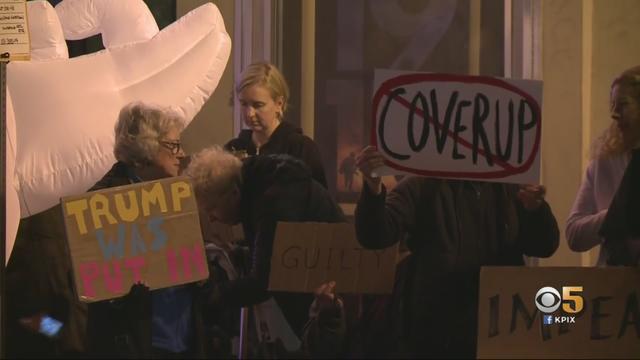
(607, 163)
(294, 134)
(239, 143)
(116, 176)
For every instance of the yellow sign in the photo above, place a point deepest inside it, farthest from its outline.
(14, 31)
(146, 232)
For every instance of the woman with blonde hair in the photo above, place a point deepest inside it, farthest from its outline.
(263, 94)
(611, 154)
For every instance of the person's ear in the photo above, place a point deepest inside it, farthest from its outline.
(236, 191)
(280, 104)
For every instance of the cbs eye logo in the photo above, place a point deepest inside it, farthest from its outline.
(548, 299)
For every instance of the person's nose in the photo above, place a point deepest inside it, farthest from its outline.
(181, 154)
(249, 112)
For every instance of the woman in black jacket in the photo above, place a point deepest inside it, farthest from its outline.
(263, 95)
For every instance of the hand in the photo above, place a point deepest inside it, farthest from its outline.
(532, 196)
(326, 298)
(138, 300)
(32, 322)
(367, 161)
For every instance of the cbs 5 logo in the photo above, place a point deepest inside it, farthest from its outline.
(548, 299)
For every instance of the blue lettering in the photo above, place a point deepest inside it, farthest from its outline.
(160, 239)
(109, 248)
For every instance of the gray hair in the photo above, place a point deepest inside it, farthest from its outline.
(139, 129)
(214, 173)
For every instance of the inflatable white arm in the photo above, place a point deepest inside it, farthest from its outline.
(47, 42)
(65, 109)
(120, 22)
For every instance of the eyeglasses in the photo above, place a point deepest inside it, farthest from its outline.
(174, 147)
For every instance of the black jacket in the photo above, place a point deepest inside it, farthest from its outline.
(121, 328)
(286, 139)
(621, 226)
(39, 280)
(276, 188)
(452, 229)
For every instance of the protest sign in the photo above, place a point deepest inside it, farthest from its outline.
(146, 232)
(562, 312)
(305, 255)
(458, 126)
(14, 32)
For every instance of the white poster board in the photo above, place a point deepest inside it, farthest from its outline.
(457, 126)
(14, 32)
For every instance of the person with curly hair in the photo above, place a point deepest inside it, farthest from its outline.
(611, 153)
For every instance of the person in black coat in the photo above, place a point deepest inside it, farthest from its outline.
(621, 228)
(259, 192)
(263, 94)
(452, 228)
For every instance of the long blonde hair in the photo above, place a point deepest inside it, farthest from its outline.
(611, 141)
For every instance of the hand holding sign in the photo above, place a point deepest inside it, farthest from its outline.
(532, 196)
(367, 161)
(326, 298)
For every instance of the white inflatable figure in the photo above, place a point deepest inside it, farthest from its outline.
(47, 42)
(65, 109)
(12, 204)
(82, 19)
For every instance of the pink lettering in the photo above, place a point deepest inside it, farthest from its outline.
(88, 273)
(195, 257)
(172, 265)
(112, 283)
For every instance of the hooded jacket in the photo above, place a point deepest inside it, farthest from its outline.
(276, 188)
(286, 139)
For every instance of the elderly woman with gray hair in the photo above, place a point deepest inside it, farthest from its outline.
(258, 192)
(164, 323)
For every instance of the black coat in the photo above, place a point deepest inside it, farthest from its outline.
(121, 328)
(452, 229)
(276, 188)
(286, 139)
(39, 280)
(621, 226)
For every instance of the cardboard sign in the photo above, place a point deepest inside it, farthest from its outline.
(458, 126)
(306, 255)
(14, 32)
(597, 315)
(146, 232)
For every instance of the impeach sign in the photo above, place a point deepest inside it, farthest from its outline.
(458, 126)
(146, 232)
(306, 255)
(561, 312)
